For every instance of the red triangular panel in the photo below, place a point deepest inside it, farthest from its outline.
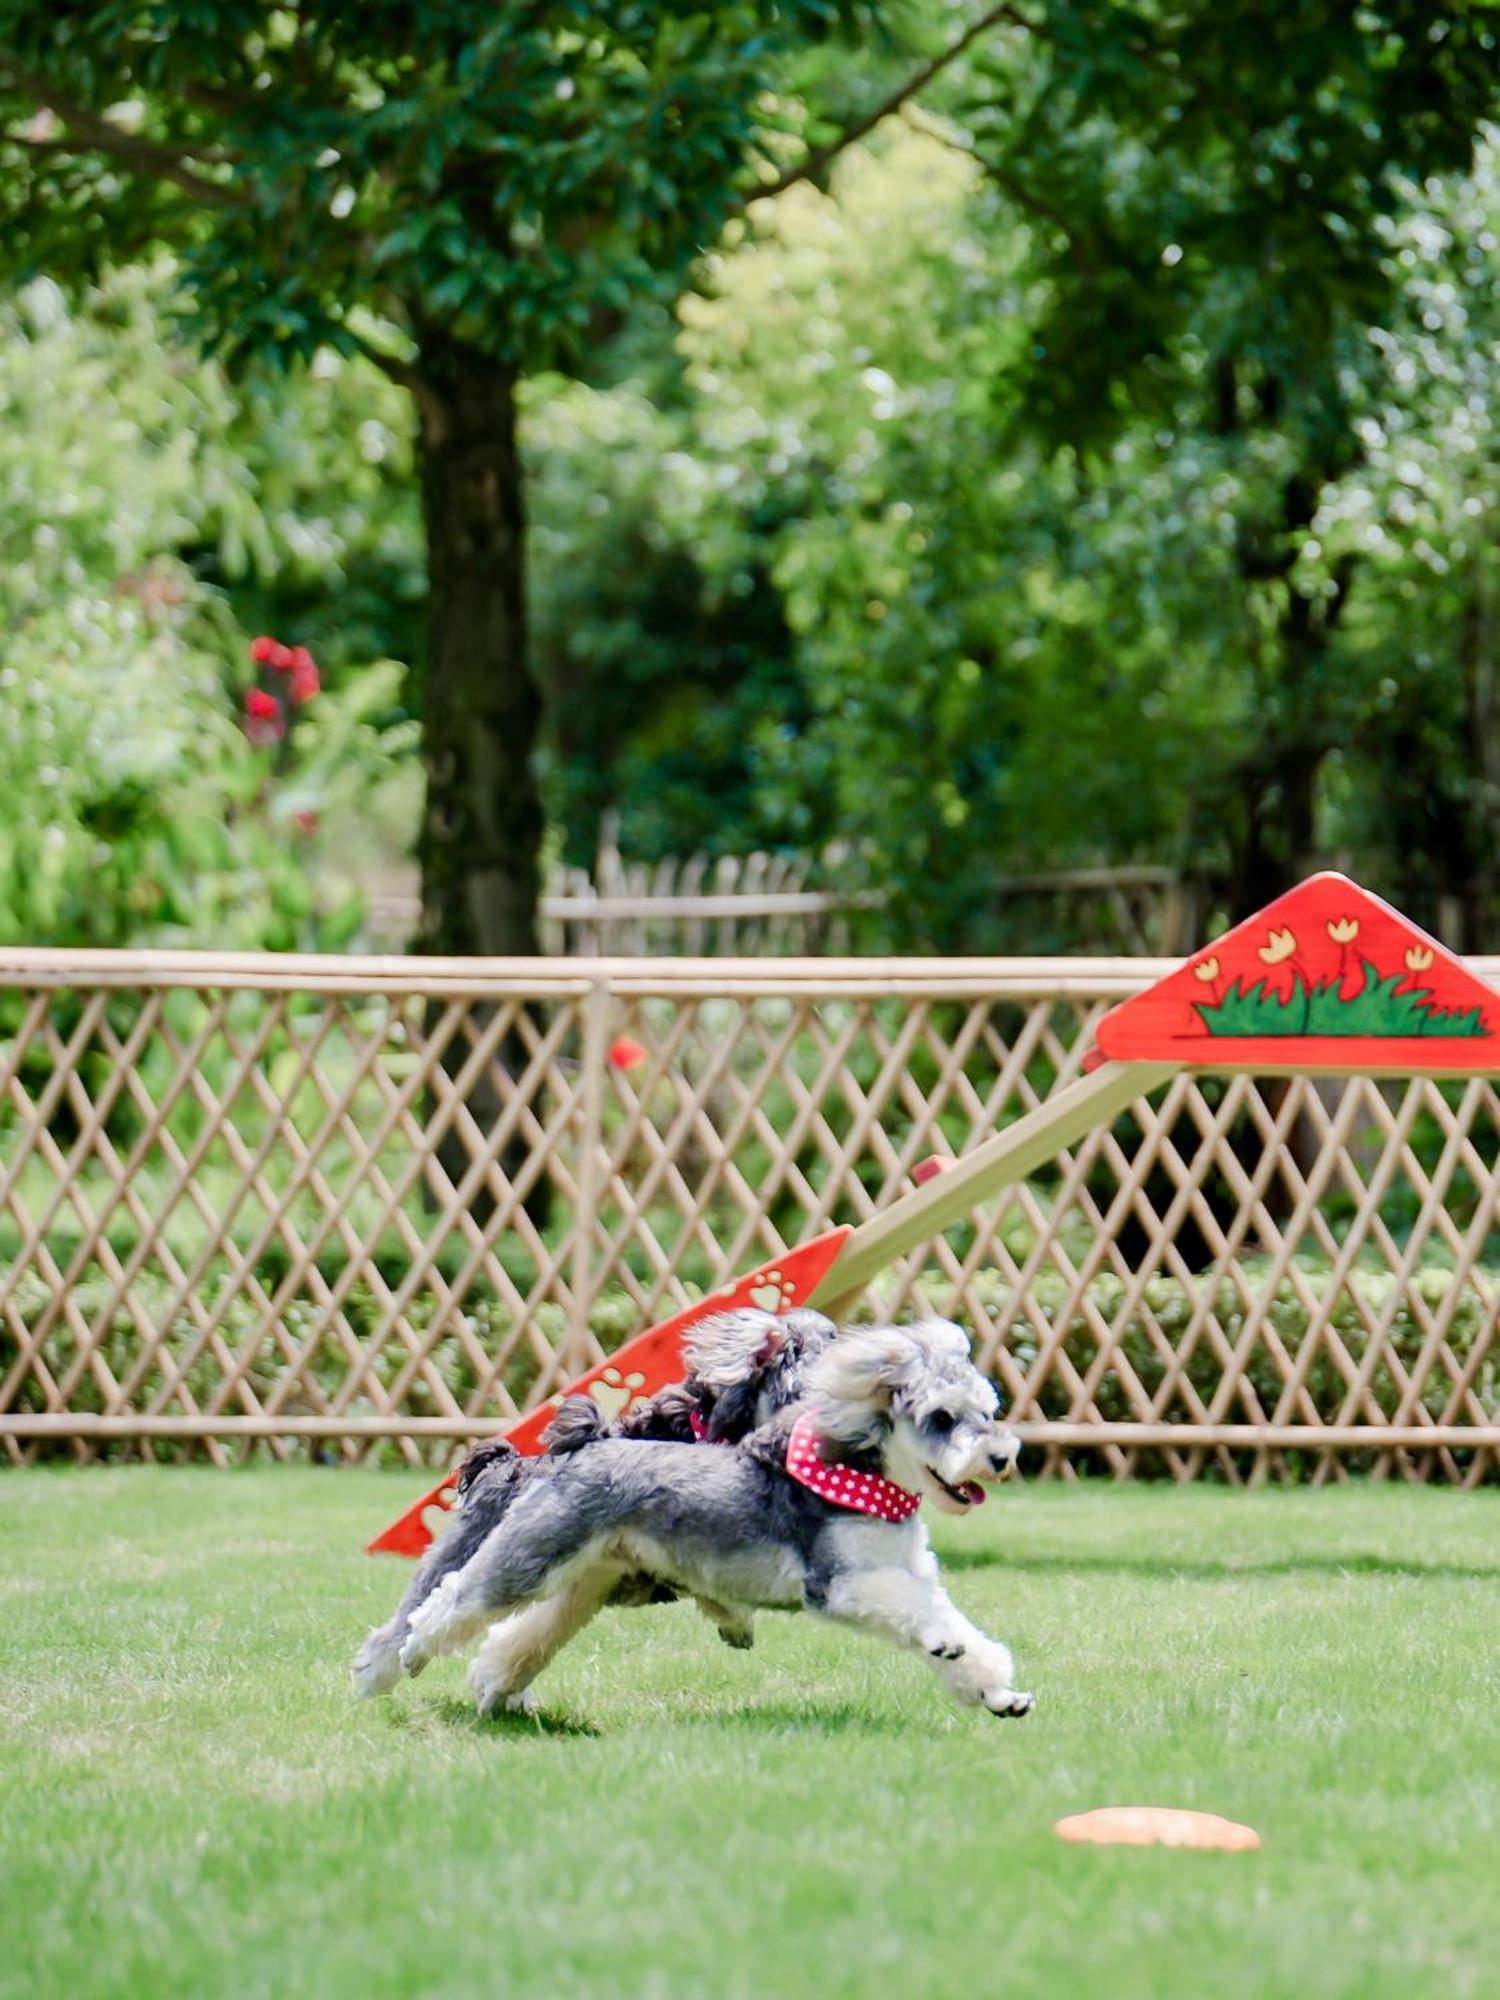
(1326, 979)
(638, 1369)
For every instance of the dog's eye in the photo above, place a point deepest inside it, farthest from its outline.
(941, 1421)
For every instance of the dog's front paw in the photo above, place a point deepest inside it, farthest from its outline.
(1007, 1702)
(414, 1656)
(741, 1637)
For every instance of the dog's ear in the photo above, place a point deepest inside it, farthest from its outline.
(856, 1378)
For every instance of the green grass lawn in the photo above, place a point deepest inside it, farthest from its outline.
(191, 1801)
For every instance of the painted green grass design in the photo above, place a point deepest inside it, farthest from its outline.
(1377, 1009)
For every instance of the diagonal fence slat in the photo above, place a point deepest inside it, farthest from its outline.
(379, 1205)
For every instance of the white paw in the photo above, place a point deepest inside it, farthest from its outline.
(490, 1695)
(974, 1668)
(437, 1626)
(414, 1655)
(999, 1667)
(1007, 1702)
(377, 1665)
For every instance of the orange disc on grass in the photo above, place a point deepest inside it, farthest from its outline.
(1156, 1826)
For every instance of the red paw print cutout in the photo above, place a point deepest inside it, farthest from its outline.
(614, 1392)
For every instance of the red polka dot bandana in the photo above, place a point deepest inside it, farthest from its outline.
(861, 1492)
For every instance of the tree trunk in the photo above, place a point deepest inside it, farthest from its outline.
(1277, 837)
(1277, 833)
(482, 830)
(482, 827)
(1481, 892)
(1276, 840)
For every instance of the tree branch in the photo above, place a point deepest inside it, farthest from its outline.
(404, 373)
(96, 134)
(390, 364)
(1034, 205)
(913, 86)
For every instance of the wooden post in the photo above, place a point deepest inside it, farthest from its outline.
(1000, 1162)
(591, 1107)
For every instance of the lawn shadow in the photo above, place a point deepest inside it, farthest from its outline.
(1166, 1568)
(835, 1718)
(457, 1713)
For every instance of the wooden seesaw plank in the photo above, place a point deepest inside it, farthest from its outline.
(997, 1163)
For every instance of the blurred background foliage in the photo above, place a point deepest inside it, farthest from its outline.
(1098, 464)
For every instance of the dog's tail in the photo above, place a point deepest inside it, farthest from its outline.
(489, 1480)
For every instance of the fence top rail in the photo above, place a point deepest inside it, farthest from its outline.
(742, 905)
(562, 977)
(41, 966)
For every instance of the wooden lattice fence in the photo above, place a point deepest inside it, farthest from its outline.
(248, 1203)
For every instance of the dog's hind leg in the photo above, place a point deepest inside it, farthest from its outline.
(734, 1623)
(377, 1664)
(498, 1478)
(912, 1610)
(518, 1647)
(543, 1545)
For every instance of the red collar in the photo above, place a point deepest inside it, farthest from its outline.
(863, 1492)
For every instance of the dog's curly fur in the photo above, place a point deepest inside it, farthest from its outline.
(742, 1367)
(734, 1530)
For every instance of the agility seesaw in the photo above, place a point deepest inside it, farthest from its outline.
(1325, 981)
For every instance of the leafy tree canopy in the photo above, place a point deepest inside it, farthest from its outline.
(507, 171)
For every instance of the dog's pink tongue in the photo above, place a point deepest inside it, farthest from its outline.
(974, 1493)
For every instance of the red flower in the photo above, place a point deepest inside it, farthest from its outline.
(263, 719)
(305, 681)
(281, 659)
(626, 1054)
(306, 822)
(261, 650)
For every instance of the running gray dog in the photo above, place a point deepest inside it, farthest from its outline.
(743, 1367)
(816, 1510)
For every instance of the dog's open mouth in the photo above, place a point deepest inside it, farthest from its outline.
(969, 1494)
